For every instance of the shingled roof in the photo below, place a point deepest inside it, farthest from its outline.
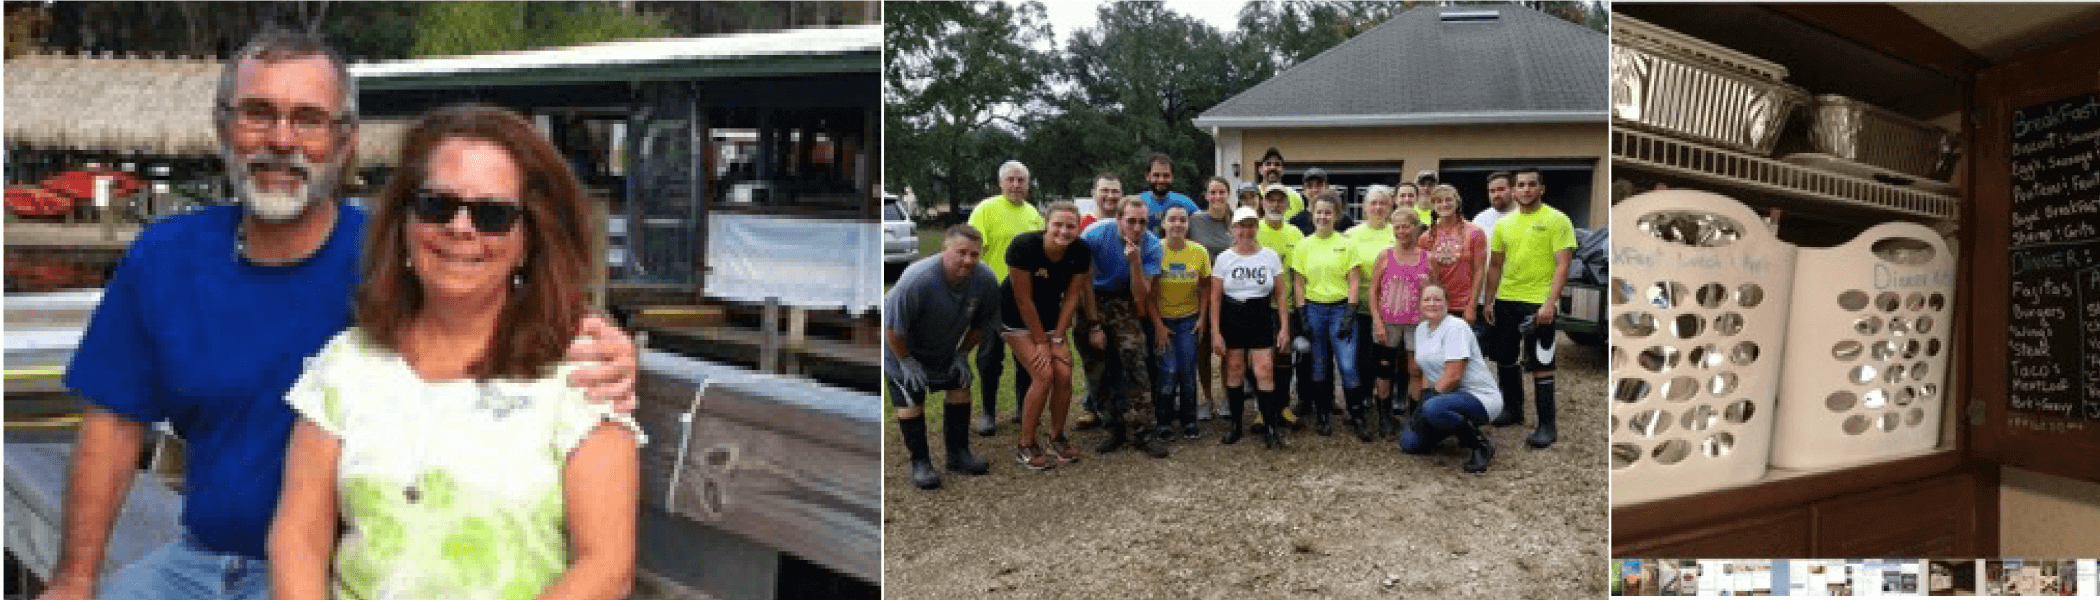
(1438, 65)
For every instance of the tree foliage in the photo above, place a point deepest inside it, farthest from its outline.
(955, 70)
(1116, 92)
(453, 28)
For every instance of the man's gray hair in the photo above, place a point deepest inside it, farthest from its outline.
(280, 44)
(1010, 165)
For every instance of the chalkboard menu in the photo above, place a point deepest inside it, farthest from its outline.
(2055, 309)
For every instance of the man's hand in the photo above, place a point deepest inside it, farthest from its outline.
(959, 372)
(1487, 313)
(910, 375)
(1161, 338)
(1378, 334)
(1217, 344)
(1098, 338)
(610, 354)
(1545, 317)
(70, 589)
(1131, 250)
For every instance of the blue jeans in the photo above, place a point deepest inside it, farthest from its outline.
(1327, 322)
(1445, 413)
(182, 570)
(1177, 370)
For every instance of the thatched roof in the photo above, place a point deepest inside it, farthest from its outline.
(152, 105)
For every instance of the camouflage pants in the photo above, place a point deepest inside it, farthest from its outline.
(1125, 381)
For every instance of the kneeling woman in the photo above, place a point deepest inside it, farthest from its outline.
(1246, 313)
(1465, 396)
(440, 427)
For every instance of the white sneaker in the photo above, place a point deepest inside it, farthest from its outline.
(1203, 411)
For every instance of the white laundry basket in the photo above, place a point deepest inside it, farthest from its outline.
(1697, 335)
(1867, 348)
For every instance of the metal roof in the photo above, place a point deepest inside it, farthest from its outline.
(847, 49)
(1438, 66)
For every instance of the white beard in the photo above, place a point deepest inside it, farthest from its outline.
(281, 207)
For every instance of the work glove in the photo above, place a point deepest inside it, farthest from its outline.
(909, 376)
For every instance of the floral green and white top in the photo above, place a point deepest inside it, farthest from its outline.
(451, 489)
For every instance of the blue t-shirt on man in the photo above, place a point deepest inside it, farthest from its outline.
(1105, 242)
(1158, 206)
(190, 333)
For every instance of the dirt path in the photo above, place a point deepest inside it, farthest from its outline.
(1330, 517)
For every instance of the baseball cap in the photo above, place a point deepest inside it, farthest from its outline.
(1248, 188)
(1245, 213)
(1429, 174)
(1316, 173)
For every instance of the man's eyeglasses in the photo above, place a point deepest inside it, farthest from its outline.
(257, 116)
(489, 215)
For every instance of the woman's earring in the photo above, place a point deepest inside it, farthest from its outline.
(517, 279)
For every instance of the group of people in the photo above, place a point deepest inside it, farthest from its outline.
(1426, 321)
(414, 401)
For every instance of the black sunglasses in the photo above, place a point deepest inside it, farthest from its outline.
(490, 216)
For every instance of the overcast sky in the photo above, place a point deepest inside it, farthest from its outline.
(1068, 16)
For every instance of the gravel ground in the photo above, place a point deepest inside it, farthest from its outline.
(1330, 517)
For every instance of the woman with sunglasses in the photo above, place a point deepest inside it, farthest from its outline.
(439, 428)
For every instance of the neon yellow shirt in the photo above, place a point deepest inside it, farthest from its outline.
(1282, 238)
(1368, 241)
(1324, 263)
(1297, 201)
(1179, 273)
(998, 219)
(1527, 243)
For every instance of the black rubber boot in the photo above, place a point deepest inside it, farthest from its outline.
(1511, 380)
(1117, 434)
(922, 473)
(1381, 417)
(1272, 410)
(1546, 434)
(1236, 402)
(1321, 407)
(1359, 416)
(955, 434)
(1482, 451)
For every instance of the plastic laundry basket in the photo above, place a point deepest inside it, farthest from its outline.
(1867, 349)
(1699, 297)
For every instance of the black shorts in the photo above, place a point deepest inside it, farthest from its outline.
(1249, 325)
(935, 382)
(1514, 336)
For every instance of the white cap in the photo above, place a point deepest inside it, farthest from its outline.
(1245, 213)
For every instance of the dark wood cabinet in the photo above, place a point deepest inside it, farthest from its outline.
(1943, 504)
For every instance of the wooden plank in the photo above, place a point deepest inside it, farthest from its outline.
(36, 473)
(1663, 517)
(683, 559)
(63, 235)
(1781, 534)
(1890, 31)
(790, 464)
(1933, 517)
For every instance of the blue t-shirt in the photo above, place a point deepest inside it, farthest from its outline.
(1105, 241)
(1158, 208)
(189, 333)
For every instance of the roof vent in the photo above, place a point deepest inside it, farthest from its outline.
(1471, 16)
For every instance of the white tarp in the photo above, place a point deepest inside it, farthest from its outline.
(806, 263)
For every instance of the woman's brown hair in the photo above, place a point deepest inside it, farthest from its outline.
(540, 317)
